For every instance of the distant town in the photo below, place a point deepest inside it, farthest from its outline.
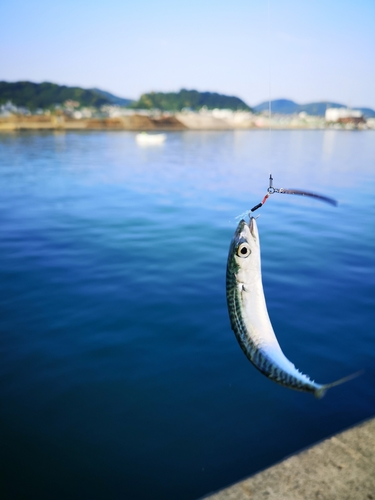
(47, 106)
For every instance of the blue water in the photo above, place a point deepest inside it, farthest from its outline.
(120, 376)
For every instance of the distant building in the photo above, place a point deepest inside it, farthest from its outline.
(9, 109)
(71, 104)
(344, 115)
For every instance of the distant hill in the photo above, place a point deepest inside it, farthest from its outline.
(192, 99)
(282, 106)
(367, 112)
(44, 95)
(119, 101)
(287, 107)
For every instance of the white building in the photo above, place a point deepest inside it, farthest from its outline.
(343, 114)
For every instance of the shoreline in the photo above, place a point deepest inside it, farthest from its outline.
(142, 123)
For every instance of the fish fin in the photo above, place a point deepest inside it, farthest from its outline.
(320, 391)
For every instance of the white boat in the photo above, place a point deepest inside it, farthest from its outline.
(150, 139)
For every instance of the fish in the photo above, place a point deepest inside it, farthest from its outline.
(249, 317)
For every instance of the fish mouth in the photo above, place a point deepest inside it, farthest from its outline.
(245, 230)
(252, 226)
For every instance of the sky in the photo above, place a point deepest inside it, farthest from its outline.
(254, 49)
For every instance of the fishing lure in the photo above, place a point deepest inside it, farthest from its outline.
(249, 316)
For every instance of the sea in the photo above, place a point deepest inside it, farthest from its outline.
(120, 377)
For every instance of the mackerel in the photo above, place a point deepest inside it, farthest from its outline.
(249, 316)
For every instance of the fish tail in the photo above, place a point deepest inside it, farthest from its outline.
(322, 389)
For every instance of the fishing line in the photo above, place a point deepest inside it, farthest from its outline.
(269, 62)
(272, 190)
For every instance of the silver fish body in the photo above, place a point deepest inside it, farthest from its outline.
(249, 316)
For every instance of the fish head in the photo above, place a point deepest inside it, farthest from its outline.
(244, 253)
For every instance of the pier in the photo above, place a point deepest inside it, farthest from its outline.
(340, 467)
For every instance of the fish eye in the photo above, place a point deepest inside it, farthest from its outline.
(243, 250)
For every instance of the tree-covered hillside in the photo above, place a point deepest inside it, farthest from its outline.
(44, 95)
(192, 99)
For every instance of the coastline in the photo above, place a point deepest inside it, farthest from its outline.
(164, 123)
(131, 123)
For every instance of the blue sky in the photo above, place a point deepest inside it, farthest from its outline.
(305, 51)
